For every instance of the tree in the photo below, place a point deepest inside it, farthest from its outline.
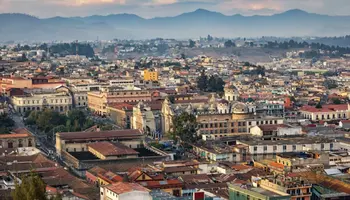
(185, 128)
(215, 84)
(31, 187)
(336, 101)
(202, 81)
(192, 43)
(6, 124)
(229, 43)
(318, 106)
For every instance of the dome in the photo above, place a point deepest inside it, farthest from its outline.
(239, 108)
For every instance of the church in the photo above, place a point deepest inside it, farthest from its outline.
(218, 117)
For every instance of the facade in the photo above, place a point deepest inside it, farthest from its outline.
(327, 112)
(121, 114)
(19, 138)
(217, 117)
(60, 101)
(150, 75)
(147, 117)
(124, 191)
(260, 148)
(98, 101)
(125, 83)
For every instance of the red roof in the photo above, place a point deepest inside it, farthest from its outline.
(112, 149)
(325, 108)
(100, 135)
(272, 127)
(121, 188)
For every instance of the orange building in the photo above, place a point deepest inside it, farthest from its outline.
(150, 75)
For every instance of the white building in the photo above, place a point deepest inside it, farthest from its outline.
(124, 191)
(275, 130)
(264, 147)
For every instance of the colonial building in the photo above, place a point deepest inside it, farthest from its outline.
(79, 141)
(147, 117)
(59, 100)
(18, 138)
(218, 117)
(98, 101)
(326, 113)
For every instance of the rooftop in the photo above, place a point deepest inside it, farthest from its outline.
(121, 188)
(325, 108)
(130, 133)
(112, 149)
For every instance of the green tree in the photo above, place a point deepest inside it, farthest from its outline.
(185, 128)
(319, 105)
(215, 84)
(6, 124)
(31, 188)
(229, 43)
(336, 101)
(202, 81)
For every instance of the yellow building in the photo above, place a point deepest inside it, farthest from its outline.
(150, 75)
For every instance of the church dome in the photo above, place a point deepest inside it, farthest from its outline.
(239, 108)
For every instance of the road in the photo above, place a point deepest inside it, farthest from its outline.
(41, 142)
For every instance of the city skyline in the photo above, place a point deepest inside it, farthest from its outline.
(164, 8)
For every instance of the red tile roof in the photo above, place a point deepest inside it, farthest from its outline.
(129, 133)
(325, 108)
(121, 188)
(272, 127)
(112, 149)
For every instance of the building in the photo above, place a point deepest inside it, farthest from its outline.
(261, 148)
(248, 191)
(121, 114)
(296, 187)
(98, 101)
(294, 161)
(324, 193)
(79, 141)
(276, 130)
(109, 150)
(124, 83)
(18, 138)
(345, 124)
(124, 191)
(57, 100)
(146, 116)
(217, 118)
(150, 75)
(327, 112)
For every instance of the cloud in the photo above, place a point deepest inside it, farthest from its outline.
(154, 8)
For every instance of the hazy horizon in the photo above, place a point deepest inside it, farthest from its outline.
(169, 8)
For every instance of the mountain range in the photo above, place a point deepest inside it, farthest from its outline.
(22, 27)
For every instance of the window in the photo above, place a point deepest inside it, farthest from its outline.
(294, 147)
(250, 123)
(322, 146)
(274, 148)
(255, 148)
(331, 146)
(284, 147)
(265, 148)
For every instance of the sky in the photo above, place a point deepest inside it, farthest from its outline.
(162, 8)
